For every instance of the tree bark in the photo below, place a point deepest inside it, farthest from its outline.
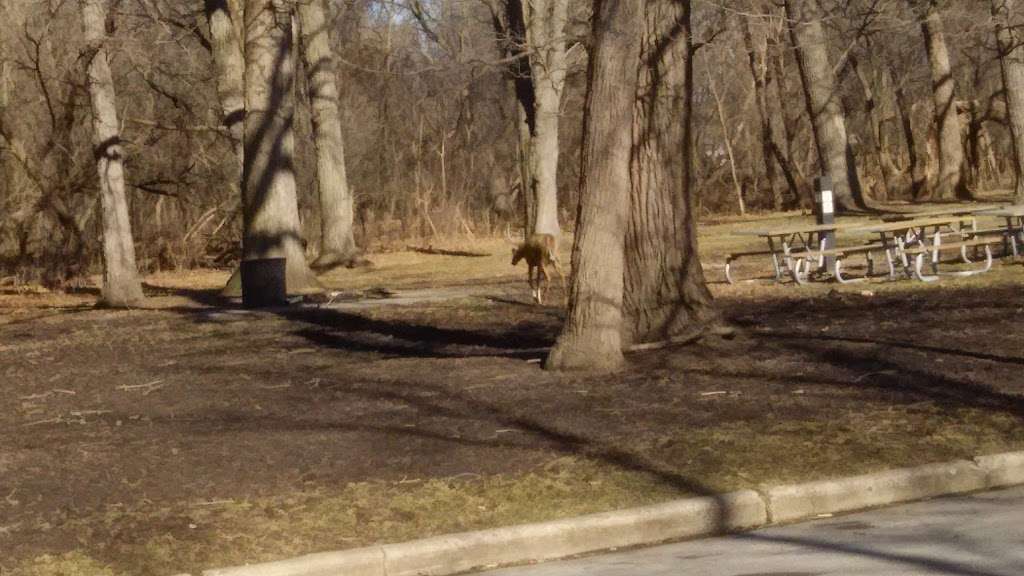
(270, 208)
(223, 17)
(1011, 59)
(591, 338)
(822, 96)
(337, 245)
(950, 183)
(666, 297)
(121, 285)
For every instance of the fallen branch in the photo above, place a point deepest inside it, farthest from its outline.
(146, 388)
(443, 252)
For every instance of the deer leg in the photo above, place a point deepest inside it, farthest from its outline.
(542, 283)
(534, 283)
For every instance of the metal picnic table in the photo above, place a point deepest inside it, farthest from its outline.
(785, 241)
(937, 212)
(1014, 216)
(897, 237)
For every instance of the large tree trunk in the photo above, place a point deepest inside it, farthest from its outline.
(271, 223)
(538, 26)
(823, 102)
(591, 338)
(950, 183)
(225, 20)
(121, 286)
(338, 245)
(1011, 58)
(666, 297)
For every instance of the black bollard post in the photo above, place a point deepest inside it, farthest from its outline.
(826, 214)
(263, 283)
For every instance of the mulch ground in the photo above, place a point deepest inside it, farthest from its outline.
(122, 428)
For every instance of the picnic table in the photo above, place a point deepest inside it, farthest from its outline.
(923, 237)
(783, 243)
(919, 230)
(946, 211)
(1014, 216)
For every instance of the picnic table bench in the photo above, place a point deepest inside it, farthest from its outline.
(801, 270)
(918, 253)
(783, 243)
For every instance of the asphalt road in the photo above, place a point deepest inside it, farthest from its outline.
(977, 535)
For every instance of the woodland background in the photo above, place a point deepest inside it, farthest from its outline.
(429, 120)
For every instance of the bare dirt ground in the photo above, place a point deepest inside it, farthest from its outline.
(190, 434)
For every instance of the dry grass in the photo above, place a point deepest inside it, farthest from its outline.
(703, 419)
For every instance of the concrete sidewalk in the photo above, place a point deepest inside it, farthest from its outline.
(977, 535)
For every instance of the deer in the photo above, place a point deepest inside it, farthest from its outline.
(539, 251)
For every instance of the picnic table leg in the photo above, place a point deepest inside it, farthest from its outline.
(901, 246)
(1012, 235)
(775, 258)
(918, 273)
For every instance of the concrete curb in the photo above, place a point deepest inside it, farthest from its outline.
(677, 520)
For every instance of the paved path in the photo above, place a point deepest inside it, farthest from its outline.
(979, 535)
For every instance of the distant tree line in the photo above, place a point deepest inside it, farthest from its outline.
(155, 134)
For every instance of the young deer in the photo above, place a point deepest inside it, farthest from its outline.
(539, 251)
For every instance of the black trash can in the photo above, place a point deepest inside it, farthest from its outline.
(264, 283)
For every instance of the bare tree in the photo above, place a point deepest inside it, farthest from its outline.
(757, 60)
(271, 223)
(950, 183)
(592, 336)
(337, 242)
(534, 33)
(224, 19)
(1011, 58)
(822, 96)
(121, 286)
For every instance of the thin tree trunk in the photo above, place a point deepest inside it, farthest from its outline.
(1011, 58)
(917, 167)
(121, 286)
(337, 244)
(523, 155)
(823, 102)
(727, 141)
(666, 297)
(510, 29)
(757, 60)
(950, 182)
(784, 152)
(271, 226)
(886, 169)
(591, 338)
